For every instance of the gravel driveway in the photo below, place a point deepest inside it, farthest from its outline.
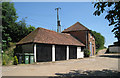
(105, 64)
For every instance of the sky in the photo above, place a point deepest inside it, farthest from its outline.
(43, 14)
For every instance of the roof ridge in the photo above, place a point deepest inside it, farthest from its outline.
(36, 34)
(83, 25)
(47, 29)
(72, 26)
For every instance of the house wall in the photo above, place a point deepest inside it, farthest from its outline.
(27, 48)
(114, 49)
(92, 40)
(79, 35)
(23, 49)
(85, 37)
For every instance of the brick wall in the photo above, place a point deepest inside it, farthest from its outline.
(81, 36)
(91, 39)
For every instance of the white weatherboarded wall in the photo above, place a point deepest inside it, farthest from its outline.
(114, 49)
(79, 53)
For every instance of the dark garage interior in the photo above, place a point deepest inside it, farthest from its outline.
(60, 52)
(73, 52)
(44, 52)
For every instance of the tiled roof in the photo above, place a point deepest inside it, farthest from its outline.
(76, 27)
(41, 35)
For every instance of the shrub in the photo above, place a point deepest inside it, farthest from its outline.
(4, 62)
(15, 60)
(5, 59)
(86, 52)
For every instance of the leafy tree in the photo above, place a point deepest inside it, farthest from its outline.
(12, 31)
(30, 29)
(113, 15)
(99, 40)
(22, 30)
(8, 20)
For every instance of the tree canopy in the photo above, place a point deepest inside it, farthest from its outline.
(99, 40)
(8, 21)
(113, 15)
(12, 31)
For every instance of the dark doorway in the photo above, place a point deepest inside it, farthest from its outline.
(93, 50)
(73, 52)
(44, 52)
(60, 52)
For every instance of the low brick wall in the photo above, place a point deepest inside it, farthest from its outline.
(114, 48)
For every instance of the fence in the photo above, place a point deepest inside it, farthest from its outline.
(114, 48)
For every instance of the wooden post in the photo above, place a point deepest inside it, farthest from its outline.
(35, 52)
(53, 52)
(78, 52)
(67, 52)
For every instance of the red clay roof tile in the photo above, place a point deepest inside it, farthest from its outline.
(76, 27)
(41, 35)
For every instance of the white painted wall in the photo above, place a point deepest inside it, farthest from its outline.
(35, 52)
(67, 52)
(53, 52)
(114, 49)
(79, 53)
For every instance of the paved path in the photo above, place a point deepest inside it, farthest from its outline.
(88, 66)
(101, 51)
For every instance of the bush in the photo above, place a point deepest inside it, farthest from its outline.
(7, 60)
(4, 62)
(86, 52)
(15, 60)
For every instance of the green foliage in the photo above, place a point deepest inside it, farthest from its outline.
(86, 52)
(7, 60)
(4, 62)
(99, 40)
(12, 31)
(113, 15)
(30, 29)
(15, 60)
(8, 22)
(22, 30)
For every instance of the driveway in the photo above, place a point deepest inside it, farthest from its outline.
(104, 64)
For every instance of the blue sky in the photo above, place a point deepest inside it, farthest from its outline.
(43, 14)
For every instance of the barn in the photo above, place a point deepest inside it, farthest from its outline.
(43, 45)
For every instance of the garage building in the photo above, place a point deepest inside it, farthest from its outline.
(43, 45)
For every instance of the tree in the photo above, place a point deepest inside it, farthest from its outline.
(113, 15)
(99, 40)
(12, 31)
(8, 22)
(30, 29)
(22, 30)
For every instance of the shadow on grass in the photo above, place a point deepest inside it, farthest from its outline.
(110, 56)
(89, 73)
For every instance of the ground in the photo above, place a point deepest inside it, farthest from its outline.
(102, 64)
